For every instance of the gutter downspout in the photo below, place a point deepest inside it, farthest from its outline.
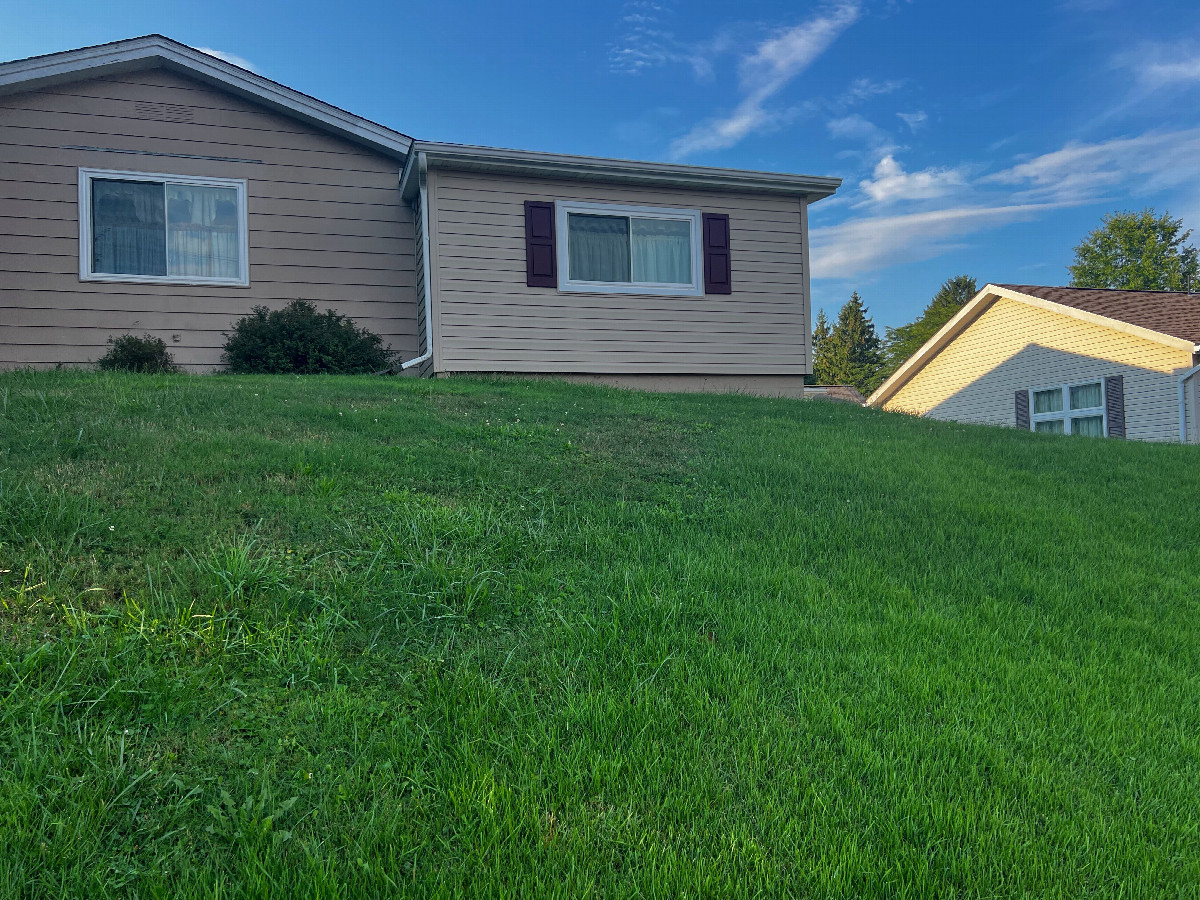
(1183, 403)
(422, 169)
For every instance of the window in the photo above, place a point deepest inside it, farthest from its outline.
(629, 249)
(162, 228)
(1070, 409)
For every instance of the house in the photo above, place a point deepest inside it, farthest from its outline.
(1062, 360)
(149, 187)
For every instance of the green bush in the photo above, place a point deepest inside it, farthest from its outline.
(301, 341)
(130, 353)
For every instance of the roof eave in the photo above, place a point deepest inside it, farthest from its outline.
(156, 51)
(462, 157)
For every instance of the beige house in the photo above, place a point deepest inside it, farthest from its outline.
(1061, 360)
(149, 187)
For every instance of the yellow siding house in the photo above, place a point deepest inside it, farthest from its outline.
(1061, 360)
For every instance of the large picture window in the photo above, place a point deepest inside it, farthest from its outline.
(1070, 409)
(604, 248)
(141, 227)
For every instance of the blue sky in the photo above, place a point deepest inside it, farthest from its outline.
(979, 137)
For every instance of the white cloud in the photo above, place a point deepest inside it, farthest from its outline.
(862, 89)
(229, 58)
(891, 183)
(1079, 172)
(954, 204)
(772, 65)
(914, 120)
(1159, 74)
(863, 245)
(856, 127)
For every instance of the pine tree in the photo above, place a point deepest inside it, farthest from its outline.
(820, 338)
(851, 352)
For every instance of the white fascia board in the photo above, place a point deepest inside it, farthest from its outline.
(978, 305)
(537, 164)
(156, 51)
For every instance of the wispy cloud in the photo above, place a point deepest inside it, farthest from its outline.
(914, 120)
(1079, 172)
(874, 242)
(890, 183)
(1174, 72)
(229, 58)
(772, 65)
(954, 203)
(648, 41)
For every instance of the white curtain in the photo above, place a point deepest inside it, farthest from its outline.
(1086, 396)
(662, 251)
(598, 248)
(128, 237)
(202, 231)
(1091, 426)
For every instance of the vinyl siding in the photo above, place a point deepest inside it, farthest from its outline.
(326, 221)
(487, 319)
(1014, 346)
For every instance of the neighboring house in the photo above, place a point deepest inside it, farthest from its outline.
(149, 187)
(1061, 360)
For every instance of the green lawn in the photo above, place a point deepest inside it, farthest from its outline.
(356, 636)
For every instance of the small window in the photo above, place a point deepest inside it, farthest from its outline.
(1070, 409)
(162, 228)
(629, 250)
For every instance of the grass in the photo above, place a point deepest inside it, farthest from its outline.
(353, 637)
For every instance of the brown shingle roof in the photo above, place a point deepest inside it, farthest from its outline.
(1168, 312)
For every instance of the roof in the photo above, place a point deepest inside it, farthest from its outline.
(592, 168)
(153, 51)
(1165, 317)
(1169, 312)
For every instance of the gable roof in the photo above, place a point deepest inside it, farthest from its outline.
(153, 51)
(1131, 312)
(1169, 312)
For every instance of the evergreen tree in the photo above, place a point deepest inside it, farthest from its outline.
(851, 352)
(1139, 251)
(820, 338)
(904, 341)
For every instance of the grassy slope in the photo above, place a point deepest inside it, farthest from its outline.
(336, 636)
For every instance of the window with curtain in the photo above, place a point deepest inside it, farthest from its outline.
(617, 249)
(1070, 409)
(157, 228)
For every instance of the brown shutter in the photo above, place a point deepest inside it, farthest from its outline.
(1023, 409)
(541, 256)
(1114, 405)
(717, 273)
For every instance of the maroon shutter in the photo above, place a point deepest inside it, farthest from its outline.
(1023, 409)
(1114, 405)
(541, 256)
(717, 274)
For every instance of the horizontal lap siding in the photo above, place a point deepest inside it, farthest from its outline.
(327, 223)
(489, 320)
(1014, 347)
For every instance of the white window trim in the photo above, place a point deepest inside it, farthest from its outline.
(565, 283)
(1066, 413)
(86, 176)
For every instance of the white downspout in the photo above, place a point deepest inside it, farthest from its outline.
(1183, 403)
(421, 171)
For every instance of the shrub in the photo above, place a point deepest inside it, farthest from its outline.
(130, 353)
(299, 340)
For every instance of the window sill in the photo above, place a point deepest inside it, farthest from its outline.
(641, 289)
(159, 279)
